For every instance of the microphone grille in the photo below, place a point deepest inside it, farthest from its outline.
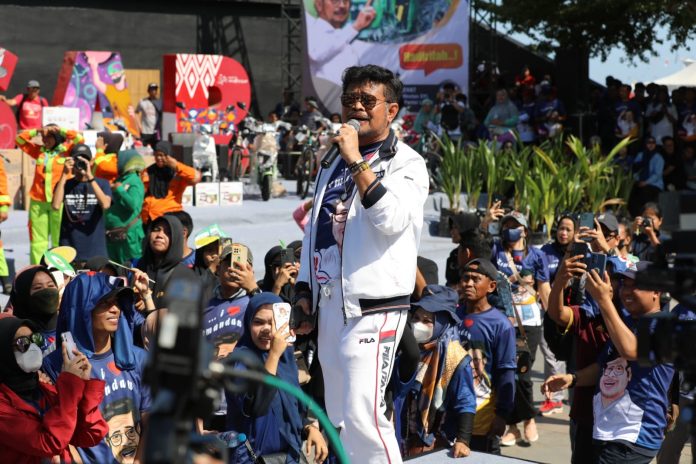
(355, 124)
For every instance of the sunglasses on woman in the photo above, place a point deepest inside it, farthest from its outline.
(23, 343)
(366, 100)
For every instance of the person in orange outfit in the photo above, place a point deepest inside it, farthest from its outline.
(50, 158)
(5, 203)
(107, 145)
(165, 182)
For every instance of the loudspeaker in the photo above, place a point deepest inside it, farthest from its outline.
(183, 154)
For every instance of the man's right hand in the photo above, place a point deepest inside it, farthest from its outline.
(68, 167)
(365, 18)
(570, 268)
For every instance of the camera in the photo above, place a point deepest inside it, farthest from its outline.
(647, 222)
(80, 163)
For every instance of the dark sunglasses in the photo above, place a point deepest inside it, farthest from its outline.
(366, 100)
(23, 343)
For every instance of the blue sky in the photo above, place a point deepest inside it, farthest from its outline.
(617, 64)
(666, 63)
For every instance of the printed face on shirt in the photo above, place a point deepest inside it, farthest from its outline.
(262, 327)
(123, 437)
(159, 237)
(614, 380)
(334, 12)
(374, 122)
(338, 223)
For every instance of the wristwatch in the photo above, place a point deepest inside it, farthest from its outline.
(255, 291)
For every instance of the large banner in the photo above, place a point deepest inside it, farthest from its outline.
(425, 41)
(91, 79)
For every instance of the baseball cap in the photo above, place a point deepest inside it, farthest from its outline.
(483, 266)
(630, 273)
(438, 298)
(517, 216)
(609, 221)
(312, 102)
(82, 151)
(118, 288)
(152, 85)
(33, 83)
(227, 251)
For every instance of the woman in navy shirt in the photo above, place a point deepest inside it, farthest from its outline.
(530, 284)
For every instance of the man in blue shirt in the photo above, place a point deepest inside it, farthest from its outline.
(630, 408)
(491, 339)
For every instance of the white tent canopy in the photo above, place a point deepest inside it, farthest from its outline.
(685, 77)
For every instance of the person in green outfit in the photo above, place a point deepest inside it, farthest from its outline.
(124, 231)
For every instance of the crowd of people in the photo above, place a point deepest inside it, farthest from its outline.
(402, 362)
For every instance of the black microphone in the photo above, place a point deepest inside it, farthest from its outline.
(334, 151)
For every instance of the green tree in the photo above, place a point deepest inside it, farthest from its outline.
(579, 29)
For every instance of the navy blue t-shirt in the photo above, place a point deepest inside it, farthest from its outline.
(554, 254)
(331, 224)
(491, 340)
(630, 405)
(82, 226)
(223, 319)
(534, 261)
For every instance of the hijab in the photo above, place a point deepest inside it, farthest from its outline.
(160, 177)
(285, 407)
(22, 383)
(112, 140)
(129, 160)
(159, 271)
(26, 307)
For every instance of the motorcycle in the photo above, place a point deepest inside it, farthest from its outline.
(265, 153)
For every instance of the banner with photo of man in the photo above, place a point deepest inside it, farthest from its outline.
(425, 41)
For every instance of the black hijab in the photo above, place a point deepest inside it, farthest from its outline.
(24, 306)
(23, 384)
(160, 177)
(161, 271)
(112, 140)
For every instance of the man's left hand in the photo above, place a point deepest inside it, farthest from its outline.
(460, 450)
(347, 140)
(598, 287)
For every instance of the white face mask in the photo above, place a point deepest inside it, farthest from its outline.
(422, 332)
(30, 361)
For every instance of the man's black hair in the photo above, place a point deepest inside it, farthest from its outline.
(666, 138)
(478, 243)
(358, 75)
(185, 220)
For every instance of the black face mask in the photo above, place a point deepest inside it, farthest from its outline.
(45, 301)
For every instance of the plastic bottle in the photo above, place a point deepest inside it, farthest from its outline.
(232, 438)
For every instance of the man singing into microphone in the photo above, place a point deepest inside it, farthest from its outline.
(358, 263)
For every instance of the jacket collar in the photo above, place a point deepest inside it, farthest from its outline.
(388, 148)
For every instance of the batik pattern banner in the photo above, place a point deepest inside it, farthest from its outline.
(96, 80)
(425, 42)
(210, 91)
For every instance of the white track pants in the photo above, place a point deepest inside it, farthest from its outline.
(357, 359)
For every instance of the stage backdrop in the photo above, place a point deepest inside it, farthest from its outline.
(204, 89)
(425, 41)
(90, 80)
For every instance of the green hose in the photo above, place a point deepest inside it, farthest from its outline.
(326, 424)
